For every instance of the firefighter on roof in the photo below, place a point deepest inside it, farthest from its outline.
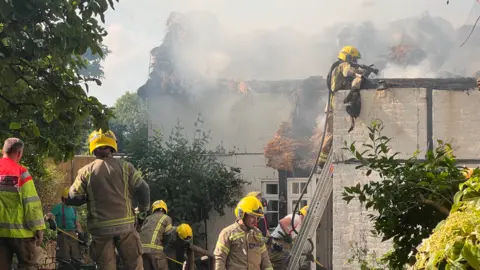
(21, 214)
(240, 246)
(342, 75)
(152, 235)
(107, 185)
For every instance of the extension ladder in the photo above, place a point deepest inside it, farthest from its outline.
(314, 214)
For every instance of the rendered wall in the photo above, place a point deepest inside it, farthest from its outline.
(412, 121)
(243, 124)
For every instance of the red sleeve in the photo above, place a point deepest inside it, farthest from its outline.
(24, 176)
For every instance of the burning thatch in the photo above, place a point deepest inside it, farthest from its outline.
(280, 150)
(292, 146)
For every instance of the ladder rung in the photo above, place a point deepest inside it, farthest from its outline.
(314, 215)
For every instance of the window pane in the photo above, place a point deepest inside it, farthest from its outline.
(302, 204)
(272, 205)
(272, 189)
(272, 220)
(302, 186)
(295, 188)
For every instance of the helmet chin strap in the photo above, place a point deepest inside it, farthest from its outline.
(245, 224)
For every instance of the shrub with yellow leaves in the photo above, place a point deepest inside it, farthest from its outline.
(455, 242)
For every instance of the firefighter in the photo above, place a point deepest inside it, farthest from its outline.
(21, 215)
(177, 241)
(283, 237)
(241, 245)
(66, 220)
(107, 185)
(263, 221)
(342, 75)
(151, 235)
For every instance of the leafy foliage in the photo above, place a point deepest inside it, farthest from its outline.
(187, 176)
(41, 96)
(130, 124)
(413, 196)
(94, 67)
(454, 244)
(49, 184)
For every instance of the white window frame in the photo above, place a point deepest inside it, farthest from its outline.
(291, 197)
(295, 196)
(269, 197)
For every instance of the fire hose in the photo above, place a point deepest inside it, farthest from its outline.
(83, 242)
(309, 254)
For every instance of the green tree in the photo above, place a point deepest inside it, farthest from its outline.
(412, 197)
(94, 68)
(41, 95)
(188, 176)
(454, 243)
(130, 123)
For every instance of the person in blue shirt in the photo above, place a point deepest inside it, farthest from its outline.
(67, 220)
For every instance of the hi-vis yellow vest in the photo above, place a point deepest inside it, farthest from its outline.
(21, 211)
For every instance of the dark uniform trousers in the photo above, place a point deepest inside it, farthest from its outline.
(24, 248)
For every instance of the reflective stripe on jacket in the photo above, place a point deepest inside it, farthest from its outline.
(341, 75)
(238, 249)
(153, 229)
(108, 184)
(21, 211)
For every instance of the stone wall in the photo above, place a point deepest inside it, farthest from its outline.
(413, 122)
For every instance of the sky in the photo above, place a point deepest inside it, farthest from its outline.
(137, 26)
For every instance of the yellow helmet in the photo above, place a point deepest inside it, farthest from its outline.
(160, 204)
(99, 139)
(303, 211)
(249, 205)
(255, 194)
(65, 193)
(184, 231)
(349, 54)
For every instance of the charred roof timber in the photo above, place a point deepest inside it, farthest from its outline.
(319, 83)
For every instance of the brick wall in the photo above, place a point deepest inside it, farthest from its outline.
(404, 115)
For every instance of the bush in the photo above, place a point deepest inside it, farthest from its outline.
(187, 176)
(48, 185)
(412, 197)
(455, 242)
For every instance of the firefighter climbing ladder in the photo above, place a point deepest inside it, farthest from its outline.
(314, 214)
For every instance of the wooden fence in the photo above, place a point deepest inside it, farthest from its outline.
(70, 169)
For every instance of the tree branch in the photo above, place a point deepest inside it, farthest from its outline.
(439, 207)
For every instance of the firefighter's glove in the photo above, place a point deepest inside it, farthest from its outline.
(288, 239)
(309, 257)
(51, 224)
(277, 247)
(82, 236)
(141, 216)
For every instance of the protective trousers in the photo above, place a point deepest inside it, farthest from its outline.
(24, 248)
(129, 246)
(278, 257)
(155, 261)
(67, 247)
(327, 142)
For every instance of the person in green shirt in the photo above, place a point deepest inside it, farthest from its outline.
(67, 220)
